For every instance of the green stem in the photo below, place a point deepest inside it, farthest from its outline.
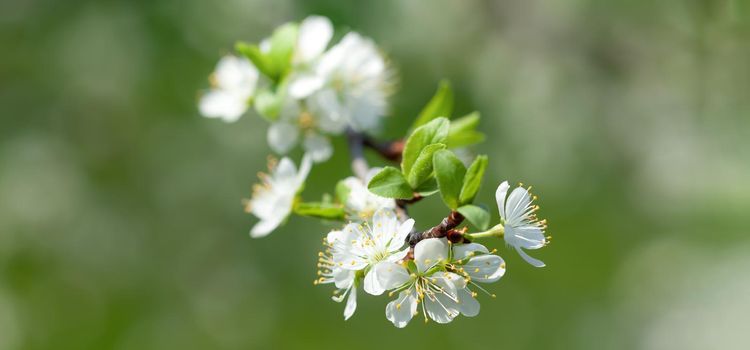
(497, 231)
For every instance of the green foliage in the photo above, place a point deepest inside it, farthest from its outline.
(276, 62)
(390, 183)
(435, 131)
(422, 168)
(320, 210)
(283, 41)
(473, 180)
(256, 56)
(441, 105)
(449, 172)
(463, 131)
(477, 216)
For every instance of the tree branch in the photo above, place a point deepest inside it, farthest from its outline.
(446, 228)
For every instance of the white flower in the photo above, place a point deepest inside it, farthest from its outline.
(349, 85)
(330, 272)
(442, 293)
(363, 247)
(522, 228)
(273, 199)
(284, 133)
(233, 83)
(360, 203)
(312, 39)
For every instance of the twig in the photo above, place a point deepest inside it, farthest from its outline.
(444, 229)
(391, 150)
(356, 152)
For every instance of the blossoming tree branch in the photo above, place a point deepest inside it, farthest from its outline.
(309, 90)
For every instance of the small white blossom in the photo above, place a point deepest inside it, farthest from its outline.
(522, 228)
(284, 133)
(360, 203)
(330, 272)
(349, 85)
(234, 82)
(272, 200)
(364, 247)
(442, 294)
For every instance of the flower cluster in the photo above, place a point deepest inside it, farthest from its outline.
(305, 89)
(310, 90)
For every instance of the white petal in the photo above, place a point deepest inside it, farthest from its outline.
(222, 104)
(318, 147)
(529, 259)
(485, 268)
(343, 279)
(384, 227)
(371, 284)
(527, 237)
(391, 275)
(236, 74)
(429, 252)
(402, 232)
(500, 195)
(314, 34)
(266, 226)
(304, 169)
(351, 304)
(461, 251)
(303, 85)
(440, 308)
(518, 201)
(282, 137)
(398, 256)
(402, 309)
(467, 304)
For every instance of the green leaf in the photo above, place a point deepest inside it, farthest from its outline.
(390, 183)
(433, 132)
(449, 172)
(463, 131)
(473, 180)
(422, 168)
(477, 216)
(427, 188)
(283, 41)
(259, 59)
(441, 105)
(320, 210)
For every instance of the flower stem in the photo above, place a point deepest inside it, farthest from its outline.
(497, 231)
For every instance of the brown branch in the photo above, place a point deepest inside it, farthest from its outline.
(444, 229)
(391, 150)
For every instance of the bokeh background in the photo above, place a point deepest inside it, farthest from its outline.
(120, 217)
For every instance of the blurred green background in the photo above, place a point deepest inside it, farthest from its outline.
(120, 218)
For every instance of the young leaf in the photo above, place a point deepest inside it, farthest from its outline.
(258, 58)
(320, 210)
(477, 216)
(390, 183)
(283, 40)
(473, 180)
(463, 131)
(422, 168)
(427, 188)
(441, 105)
(449, 172)
(433, 132)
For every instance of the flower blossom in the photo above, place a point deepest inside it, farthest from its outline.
(360, 203)
(330, 272)
(272, 201)
(522, 229)
(234, 82)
